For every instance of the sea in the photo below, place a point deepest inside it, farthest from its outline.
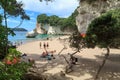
(20, 37)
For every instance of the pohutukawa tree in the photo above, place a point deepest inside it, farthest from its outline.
(77, 42)
(103, 32)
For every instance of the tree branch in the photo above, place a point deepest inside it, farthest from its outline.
(103, 63)
(19, 24)
(62, 50)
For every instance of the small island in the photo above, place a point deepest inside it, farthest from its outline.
(19, 29)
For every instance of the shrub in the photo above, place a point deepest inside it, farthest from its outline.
(13, 72)
(13, 57)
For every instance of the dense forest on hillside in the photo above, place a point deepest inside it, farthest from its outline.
(64, 23)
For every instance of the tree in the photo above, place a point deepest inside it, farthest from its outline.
(43, 19)
(70, 22)
(103, 31)
(53, 20)
(10, 8)
(77, 42)
(3, 38)
(65, 23)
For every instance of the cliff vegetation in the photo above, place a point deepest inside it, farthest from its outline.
(64, 23)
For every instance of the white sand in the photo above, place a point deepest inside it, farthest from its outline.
(32, 49)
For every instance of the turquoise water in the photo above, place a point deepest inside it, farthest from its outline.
(21, 37)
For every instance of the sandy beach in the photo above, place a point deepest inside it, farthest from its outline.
(88, 59)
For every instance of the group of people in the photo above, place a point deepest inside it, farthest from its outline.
(47, 54)
(45, 45)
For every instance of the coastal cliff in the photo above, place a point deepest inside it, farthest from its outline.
(38, 30)
(90, 9)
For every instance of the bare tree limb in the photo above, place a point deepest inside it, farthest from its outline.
(103, 63)
(62, 50)
(19, 24)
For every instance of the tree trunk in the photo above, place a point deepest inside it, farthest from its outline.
(103, 63)
(6, 31)
(70, 62)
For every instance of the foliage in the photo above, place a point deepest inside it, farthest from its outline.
(11, 68)
(9, 8)
(104, 30)
(53, 20)
(14, 8)
(13, 72)
(13, 53)
(43, 19)
(77, 41)
(65, 23)
(3, 38)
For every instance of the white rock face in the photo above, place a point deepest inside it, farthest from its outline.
(31, 34)
(39, 30)
(51, 30)
(89, 11)
(36, 31)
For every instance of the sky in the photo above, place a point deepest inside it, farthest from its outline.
(61, 8)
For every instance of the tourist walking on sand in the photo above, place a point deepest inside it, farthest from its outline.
(40, 44)
(47, 45)
(44, 45)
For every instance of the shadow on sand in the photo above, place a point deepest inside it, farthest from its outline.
(111, 70)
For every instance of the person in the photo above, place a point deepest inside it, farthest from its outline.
(52, 52)
(40, 44)
(47, 45)
(44, 45)
(44, 54)
(49, 57)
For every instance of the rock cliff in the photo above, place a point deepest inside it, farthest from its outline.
(39, 29)
(36, 31)
(90, 9)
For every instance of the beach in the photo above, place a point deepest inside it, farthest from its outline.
(88, 59)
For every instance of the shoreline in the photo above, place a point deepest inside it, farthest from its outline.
(43, 37)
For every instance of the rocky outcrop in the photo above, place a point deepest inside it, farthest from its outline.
(31, 34)
(51, 30)
(90, 9)
(36, 31)
(39, 29)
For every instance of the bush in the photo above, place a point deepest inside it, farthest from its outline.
(12, 57)
(13, 72)
(11, 68)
